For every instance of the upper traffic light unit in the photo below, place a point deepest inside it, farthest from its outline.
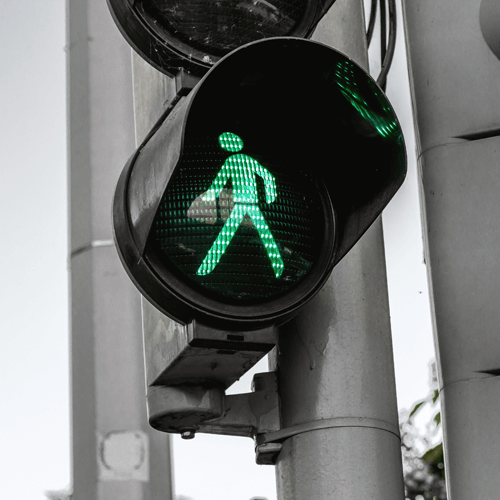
(236, 209)
(196, 34)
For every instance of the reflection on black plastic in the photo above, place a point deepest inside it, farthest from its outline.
(218, 26)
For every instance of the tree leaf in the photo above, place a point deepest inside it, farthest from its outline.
(416, 408)
(435, 396)
(434, 455)
(437, 418)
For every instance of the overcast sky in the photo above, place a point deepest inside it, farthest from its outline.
(34, 392)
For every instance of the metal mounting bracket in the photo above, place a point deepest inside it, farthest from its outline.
(189, 368)
(187, 409)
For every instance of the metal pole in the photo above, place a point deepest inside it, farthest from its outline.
(116, 455)
(455, 77)
(335, 361)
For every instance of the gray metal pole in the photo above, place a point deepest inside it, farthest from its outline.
(116, 455)
(455, 78)
(335, 361)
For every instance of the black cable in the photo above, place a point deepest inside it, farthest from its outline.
(383, 31)
(371, 22)
(391, 45)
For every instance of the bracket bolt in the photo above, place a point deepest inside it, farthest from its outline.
(187, 434)
(267, 453)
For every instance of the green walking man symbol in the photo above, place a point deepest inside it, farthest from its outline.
(241, 169)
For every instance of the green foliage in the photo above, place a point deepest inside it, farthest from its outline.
(434, 459)
(435, 395)
(416, 408)
(423, 462)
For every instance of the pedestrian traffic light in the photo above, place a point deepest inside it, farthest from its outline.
(237, 206)
(195, 34)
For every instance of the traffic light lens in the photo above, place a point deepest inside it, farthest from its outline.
(241, 226)
(219, 26)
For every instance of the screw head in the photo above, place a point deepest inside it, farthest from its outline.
(187, 434)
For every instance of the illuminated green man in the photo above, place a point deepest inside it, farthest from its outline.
(241, 169)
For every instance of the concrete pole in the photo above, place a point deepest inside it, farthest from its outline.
(335, 361)
(116, 455)
(454, 50)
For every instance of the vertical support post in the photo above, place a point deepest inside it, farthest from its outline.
(455, 80)
(335, 361)
(115, 453)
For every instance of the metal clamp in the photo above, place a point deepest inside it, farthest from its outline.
(268, 446)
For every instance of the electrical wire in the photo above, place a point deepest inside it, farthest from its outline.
(383, 31)
(387, 44)
(371, 23)
(388, 54)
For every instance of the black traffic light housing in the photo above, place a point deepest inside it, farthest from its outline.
(251, 187)
(328, 129)
(196, 34)
(302, 161)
